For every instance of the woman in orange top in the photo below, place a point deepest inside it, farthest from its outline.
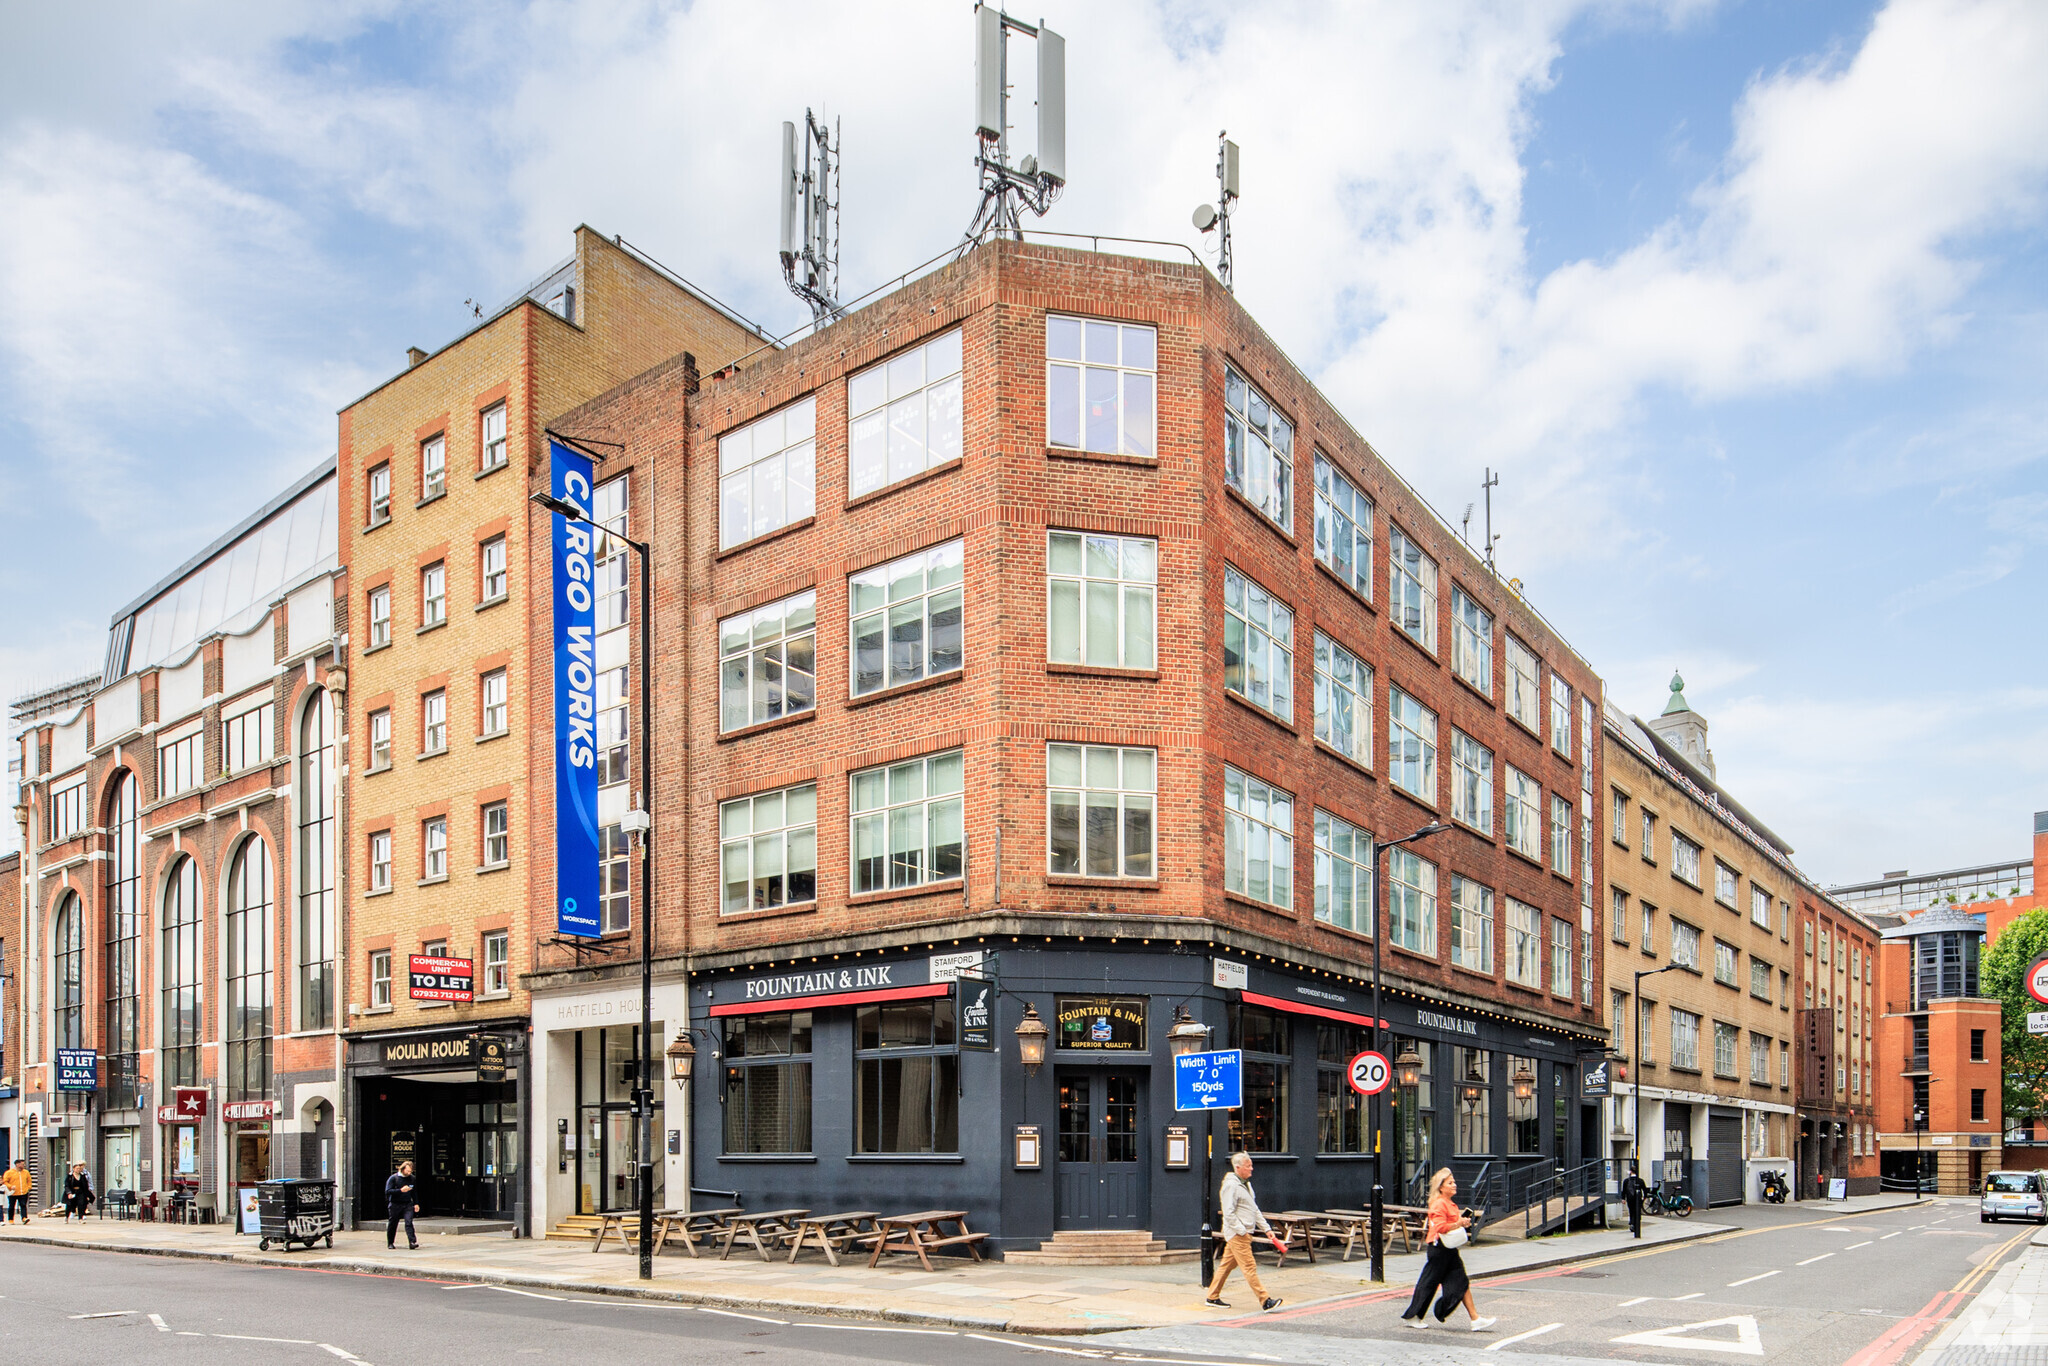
(1443, 1269)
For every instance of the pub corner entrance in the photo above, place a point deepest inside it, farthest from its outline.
(1100, 1149)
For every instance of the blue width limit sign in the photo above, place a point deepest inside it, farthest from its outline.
(1209, 1081)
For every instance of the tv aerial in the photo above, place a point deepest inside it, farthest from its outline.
(1036, 181)
(810, 216)
(1216, 217)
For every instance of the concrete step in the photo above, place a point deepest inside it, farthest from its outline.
(1101, 1247)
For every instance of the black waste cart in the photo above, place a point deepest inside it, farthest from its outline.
(294, 1210)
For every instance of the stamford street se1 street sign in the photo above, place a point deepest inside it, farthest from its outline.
(1209, 1081)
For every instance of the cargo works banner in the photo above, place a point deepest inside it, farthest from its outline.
(575, 701)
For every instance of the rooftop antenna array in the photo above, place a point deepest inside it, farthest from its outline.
(1216, 217)
(1036, 181)
(810, 216)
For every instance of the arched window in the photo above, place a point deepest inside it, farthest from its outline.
(249, 967)
(123, 1047)
(180, 971)
(316, 800)
(67, 974)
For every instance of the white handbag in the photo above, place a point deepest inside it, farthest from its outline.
(1456, 1238)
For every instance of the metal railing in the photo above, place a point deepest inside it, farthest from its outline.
(1570, 1191)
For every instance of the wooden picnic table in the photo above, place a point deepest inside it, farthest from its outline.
(687, 1228)
(1291, 1228)
(1354, 1226)
(833, 1231)
(922, 1232)
(615, 1221)
(776, 1224)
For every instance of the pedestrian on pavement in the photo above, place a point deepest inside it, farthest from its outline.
(400, 1199)
(1443, 1269)
(1241, 1218)
(78, 1192)
(1632, 1195)
(17, 1183)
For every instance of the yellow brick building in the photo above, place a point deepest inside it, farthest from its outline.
(449, 846)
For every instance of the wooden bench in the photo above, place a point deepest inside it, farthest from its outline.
(922, 1233)
(1354, 1226)
(830, 1232)
(687, 1228)
(623, 1223)
(761, 1228)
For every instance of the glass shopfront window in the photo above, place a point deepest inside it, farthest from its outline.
(1415, 1122)
(768, 1083)
(1472, 1070)
(1340, 1109)
(907, 1077)
(1267, 1038)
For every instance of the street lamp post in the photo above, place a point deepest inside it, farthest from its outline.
(1635, 1138)
(1919, 1172)
(1379, 929)
(1188, 1036)
(641, 824)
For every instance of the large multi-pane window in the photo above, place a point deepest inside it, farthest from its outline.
(380, 979)
(493, 718)
(434, 594)
(768, 849)
(1471, 924)
(1101, 386)
(1471, 782)
(1343, 701)
(1471, 641)
(767, 1061)
(1725, 958)
(495, 824)
(1411, 746)
(380, 739)
(434, 848)
(1343, 874)
(1618, 930)
(1760, 979)
(433, 467)
(1411, 902)
(613, 746)
(1100, 811)
(1258, 645)
(1726, 884)
(1258, 840)
(1685, 944)
(123, 1024)
(1560, 715)
(497, 963)
(1343, 528)
(491, 570)
(1267, 1040)
(1726, 1037)
(1617, 1023)
(179, 989)
(67, 811)
(904, 415)
(1560, 835)
(1472, 1078)
(768, 474)
(245, 739)
(1685, 858)
(380, 860)
(1102, 605)
(1524, 944)
(907, 823)
(380, 617)
(1524, 811)
(1760, 1059)
(609, 502)
(1525, 1113)
(906, 1080)
(380, 494)
(1258, 450)
(1685, 1039)
(1340, 1109)
(434, 721)
(1561, 957)
(178, 765)
(768, 662)
(317, 800)
(249, 1018)
(1524, 698)
(614, 880)
(906, 618)
(1411, 579)
(492, 434)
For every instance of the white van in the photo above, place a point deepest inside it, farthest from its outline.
(2013, 1195)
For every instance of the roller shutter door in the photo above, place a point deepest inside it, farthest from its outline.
(1724, 1159)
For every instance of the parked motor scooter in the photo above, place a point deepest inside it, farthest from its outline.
(1773, 1187)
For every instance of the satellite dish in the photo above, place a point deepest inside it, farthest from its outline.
(1205, 217)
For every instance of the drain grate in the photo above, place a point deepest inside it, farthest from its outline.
(1587, 1275)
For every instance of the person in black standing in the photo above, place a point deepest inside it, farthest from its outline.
(400, 1199)
(78, 1192)
(1632, 1196)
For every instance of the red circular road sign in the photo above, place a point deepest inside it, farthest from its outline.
(1370, 1072)
(2037, 979)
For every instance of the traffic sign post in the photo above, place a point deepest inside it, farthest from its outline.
(1370, 1072)
(2037, 979)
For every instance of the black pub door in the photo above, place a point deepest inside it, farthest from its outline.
(1101, 1149)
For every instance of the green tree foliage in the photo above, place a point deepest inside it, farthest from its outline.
(2003, 974)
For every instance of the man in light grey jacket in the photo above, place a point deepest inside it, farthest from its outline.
(1241, 1218)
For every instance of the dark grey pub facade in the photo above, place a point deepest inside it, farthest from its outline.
(872, 1082)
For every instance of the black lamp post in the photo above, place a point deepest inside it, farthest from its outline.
(640, 823)
(1189, 1036)
(1919, 1172)
(1636, 1125)
(1379, 931)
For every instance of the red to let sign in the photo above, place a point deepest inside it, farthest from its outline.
(441, 979)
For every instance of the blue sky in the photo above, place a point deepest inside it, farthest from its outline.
(1744, 301)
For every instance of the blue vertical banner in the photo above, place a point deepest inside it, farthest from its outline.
(576, 830)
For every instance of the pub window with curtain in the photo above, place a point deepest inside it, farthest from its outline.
(907, 1077)
(768, 1083)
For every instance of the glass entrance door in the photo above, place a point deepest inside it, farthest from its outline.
(1099, 1150)
(490, 1156)
(607, 1156)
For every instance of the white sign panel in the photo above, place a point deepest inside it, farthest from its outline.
(2037, 1022)
(947, 967)
(1229, 976)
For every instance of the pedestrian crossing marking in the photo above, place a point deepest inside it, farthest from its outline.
(1748, 1341)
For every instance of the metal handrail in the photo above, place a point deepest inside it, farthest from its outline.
(1587, 1182)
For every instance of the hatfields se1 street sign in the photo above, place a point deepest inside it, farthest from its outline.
(1209, 1081)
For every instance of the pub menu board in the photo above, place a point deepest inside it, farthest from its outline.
(1102, 1024)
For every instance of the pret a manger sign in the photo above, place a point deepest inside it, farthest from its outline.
(441, 979)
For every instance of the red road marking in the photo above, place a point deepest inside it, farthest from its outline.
(1893, 1342)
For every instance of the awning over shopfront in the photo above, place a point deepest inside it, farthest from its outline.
(1253, 998)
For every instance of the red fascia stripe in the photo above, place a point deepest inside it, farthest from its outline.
(846, 998)
(1253, 998)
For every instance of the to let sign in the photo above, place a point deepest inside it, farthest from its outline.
(441, 979)
(78, 1069)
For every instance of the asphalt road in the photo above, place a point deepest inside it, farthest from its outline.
(1790, 1286)
(60, 1307)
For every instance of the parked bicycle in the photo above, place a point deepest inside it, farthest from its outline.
(1675, 1203)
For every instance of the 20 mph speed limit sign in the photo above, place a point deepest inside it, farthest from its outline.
(1370, 1073)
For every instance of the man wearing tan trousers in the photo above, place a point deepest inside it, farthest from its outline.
(1241, 1218)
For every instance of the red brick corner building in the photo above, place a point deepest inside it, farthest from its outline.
(1042, 622)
